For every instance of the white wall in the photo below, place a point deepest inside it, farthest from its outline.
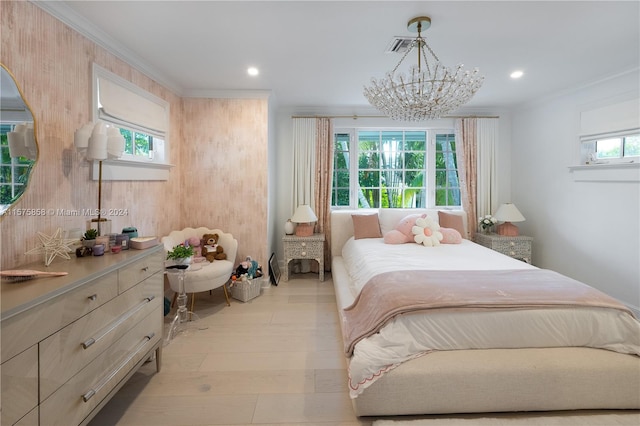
(589, 231)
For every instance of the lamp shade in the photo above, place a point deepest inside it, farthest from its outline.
(509, 213)
(97, 149)
(22, 142)
(304, 214)
(303, 217)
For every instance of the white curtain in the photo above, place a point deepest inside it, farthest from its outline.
(486, 183)
(304, 137)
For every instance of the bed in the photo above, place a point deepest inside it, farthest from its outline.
(493, 365)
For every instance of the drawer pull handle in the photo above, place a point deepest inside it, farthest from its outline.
(95, 389)
(109, 328)
(145, 269)
(304, 253)
(93, 297)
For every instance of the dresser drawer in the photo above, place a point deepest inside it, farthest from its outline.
(79, 396)
(19, 385)
(25, 329)
(139, 270)
(66, 352)
(311, 250)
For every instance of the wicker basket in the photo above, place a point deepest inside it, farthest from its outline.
(246, 290)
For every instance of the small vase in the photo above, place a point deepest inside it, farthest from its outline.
(289, 227)
(183, 260)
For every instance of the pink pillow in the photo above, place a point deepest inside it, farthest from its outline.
(450, 236)
(366, 226)
(450, 220)
(402, 233)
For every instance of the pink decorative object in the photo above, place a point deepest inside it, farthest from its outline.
(195, 243)
(450, 236)
(402, 233)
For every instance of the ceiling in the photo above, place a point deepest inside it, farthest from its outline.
(321, 53)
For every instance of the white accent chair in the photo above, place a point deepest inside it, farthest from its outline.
(211, 275)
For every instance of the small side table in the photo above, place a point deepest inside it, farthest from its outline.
(518, 247)
(311, 247)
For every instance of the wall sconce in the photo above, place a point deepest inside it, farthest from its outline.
(99, 142)
(22, 142)
(508, 213)
(304, 217)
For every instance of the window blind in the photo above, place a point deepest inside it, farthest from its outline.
(611, 120)
(124, 107)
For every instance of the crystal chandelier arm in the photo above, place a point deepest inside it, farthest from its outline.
(411, 46)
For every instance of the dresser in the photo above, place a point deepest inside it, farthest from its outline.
(518, 247)
(311, 247)
(69, 343)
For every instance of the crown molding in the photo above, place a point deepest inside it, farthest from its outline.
(77, 22)
(228, 94)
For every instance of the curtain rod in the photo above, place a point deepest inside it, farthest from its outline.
(355, 117)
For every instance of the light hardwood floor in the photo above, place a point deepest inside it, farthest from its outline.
(276, 359)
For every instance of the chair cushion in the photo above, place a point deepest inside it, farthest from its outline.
(204, 276)
(207, 277)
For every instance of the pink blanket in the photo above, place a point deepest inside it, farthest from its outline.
(394, 293)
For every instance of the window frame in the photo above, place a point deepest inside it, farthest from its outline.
(156, 165)
(14, 165)
(589, 148)
(430, 164)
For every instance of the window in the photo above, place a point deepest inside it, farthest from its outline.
(143, 121)
(394, 168)
(610, 133)
(140, 146)
(611, 149)
(14, 171)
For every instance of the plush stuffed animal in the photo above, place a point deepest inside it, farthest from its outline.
(194, 242)
(402, 233)
(211, 250)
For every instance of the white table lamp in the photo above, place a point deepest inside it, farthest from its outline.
(508, 213)
(304, 217)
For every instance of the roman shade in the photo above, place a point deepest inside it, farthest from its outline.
(612, 120)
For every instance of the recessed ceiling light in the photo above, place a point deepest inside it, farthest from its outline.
(516, 74)
(252, 71)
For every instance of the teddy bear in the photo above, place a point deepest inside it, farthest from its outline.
(211, 250)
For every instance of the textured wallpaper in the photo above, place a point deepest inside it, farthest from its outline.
(218, 147)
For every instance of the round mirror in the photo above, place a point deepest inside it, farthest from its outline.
(18, 145)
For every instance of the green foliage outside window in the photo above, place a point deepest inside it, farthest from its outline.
(14, 172)
(137, 144)
(392, 167)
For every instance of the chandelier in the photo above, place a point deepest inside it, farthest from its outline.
(429, 91)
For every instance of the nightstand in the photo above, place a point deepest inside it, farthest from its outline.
(311, 247)
(518, 247)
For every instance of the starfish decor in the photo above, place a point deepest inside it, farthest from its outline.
(53, 246)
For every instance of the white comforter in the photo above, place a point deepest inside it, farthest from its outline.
(410, 336)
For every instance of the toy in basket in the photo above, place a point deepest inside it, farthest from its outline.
(243, 285)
